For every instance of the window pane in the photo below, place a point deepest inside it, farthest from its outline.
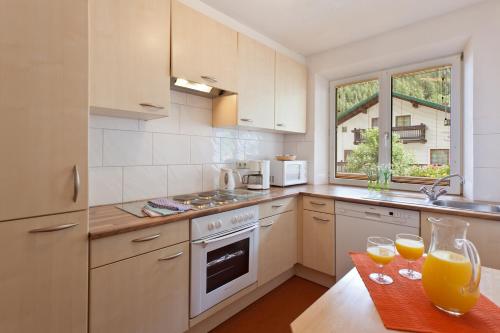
(421, 124)
(357, 110)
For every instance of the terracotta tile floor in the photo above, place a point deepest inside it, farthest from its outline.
(275, 311)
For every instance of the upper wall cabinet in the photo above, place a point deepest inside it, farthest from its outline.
(254, 104)
(130, 58)
(203, 50)
(255, 83)
(44, 107)
(291, 91)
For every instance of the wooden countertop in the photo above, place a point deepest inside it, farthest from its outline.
(347, 306)
(108, 220)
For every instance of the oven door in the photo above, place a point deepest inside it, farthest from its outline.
(222, 266)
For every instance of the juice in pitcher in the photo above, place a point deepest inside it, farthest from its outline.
(452, 270)
(446, 277)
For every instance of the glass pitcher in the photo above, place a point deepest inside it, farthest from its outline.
(452, 270)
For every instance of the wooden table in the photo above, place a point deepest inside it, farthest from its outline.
(347, 306)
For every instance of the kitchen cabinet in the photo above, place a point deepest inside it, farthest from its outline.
(203, 50)
(130, 58)
(254, 104)
(148, 293)
(291, 91)
(277, 245)
(485, 235)
(44, 106)
(318, 241)
(44, 274)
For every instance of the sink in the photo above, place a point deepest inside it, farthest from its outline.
(478, 207)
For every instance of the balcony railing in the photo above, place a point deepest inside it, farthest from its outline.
(407, 134)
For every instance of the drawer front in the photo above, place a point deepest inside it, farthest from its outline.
(321, 205)
(277, 207)
(110, 249)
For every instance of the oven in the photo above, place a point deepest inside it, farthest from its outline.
(224, 261)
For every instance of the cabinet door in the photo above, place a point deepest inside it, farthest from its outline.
(43, 277)
(44, 106)
(130, 57)
(148, 293)
(203, 50)
(485, 235)
(318, 235)
(277, 245)
(291, 91)
(255, 84)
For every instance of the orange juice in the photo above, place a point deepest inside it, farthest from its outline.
(410, 249)
(445, 278)
(381, 255)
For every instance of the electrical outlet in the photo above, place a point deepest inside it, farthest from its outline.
(241, 165)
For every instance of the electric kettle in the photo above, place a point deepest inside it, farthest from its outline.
(227, 180)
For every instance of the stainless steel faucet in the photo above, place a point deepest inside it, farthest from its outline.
(431, 192)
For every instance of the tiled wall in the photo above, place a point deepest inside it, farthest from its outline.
(133, 159)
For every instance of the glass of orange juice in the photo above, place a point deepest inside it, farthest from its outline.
(381, 250)
(410, 247)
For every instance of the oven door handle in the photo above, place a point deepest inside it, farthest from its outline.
(216, 239)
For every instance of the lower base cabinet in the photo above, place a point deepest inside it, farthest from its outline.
(148, 293)
(277, 245)
(318, 241)
(44, 274)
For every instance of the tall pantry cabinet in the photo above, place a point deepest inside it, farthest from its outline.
(43, 174)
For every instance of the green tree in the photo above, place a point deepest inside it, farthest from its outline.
(366, 154)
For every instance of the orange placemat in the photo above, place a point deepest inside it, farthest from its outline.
(404, 306)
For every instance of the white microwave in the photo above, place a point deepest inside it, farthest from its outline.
(286, 173)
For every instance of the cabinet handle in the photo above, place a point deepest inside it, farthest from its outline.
(277, 206)
(209, 78)
(248, 120)
(76, 183)
(173, 256)
(320, 219)
(268, 225)
(280, 125)
(149, 105)
(145, 239)
(54, 228)
(317, 203)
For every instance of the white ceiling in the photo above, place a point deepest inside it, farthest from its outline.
(312, 26)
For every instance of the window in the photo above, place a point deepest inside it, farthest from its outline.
(440, 156)
(412, 111)
(355, 106)
(403, 121)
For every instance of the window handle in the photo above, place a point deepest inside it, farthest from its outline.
(386, 139)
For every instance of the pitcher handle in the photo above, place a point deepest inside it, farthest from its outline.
(475, 260)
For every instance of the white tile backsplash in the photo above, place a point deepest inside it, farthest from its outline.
(105, 186)
(126, 148)
(134, 159)
(205, 150)
(195, 121)
(185, 179)
(170, 149)
(144, 182)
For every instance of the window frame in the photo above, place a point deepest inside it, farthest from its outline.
(385, 120)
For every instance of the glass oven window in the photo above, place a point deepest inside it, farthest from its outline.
(227, 263)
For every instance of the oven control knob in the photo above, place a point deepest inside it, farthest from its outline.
(211, 225)
(218, 224)
(234, 219)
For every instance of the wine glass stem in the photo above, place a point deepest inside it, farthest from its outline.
(381, 273)
(410, 271)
